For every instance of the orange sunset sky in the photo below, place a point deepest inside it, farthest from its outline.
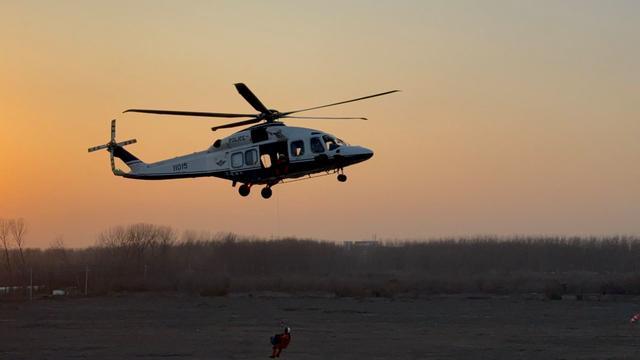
(515, 117)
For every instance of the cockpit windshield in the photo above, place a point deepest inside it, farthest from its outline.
(330, 142)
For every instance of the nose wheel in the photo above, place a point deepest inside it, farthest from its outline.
(342, 177)
(266, 192)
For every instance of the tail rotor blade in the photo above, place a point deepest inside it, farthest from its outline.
(113, 130)
(127, 142)
(113, 161)
(96, 148)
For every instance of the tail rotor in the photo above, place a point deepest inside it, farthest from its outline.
(111, 146)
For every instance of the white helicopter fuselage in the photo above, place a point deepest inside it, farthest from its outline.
(262, 154)
(268, 153)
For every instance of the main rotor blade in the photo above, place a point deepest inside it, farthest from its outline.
(189, 113)
(239, 123)
(325, 117)
(251, 98)
(341, 102)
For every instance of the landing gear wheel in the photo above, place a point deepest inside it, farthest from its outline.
(342, 177)
(244, 190)
(266, 192)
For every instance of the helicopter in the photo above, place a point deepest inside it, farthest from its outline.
(266, 153)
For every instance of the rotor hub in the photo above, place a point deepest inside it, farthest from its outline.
(272, 115)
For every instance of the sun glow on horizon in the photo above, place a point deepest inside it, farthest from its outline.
(514, 118)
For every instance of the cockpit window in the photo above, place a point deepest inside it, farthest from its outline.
(316, 145)
(329, 142)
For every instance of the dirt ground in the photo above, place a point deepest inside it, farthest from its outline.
(152, 326)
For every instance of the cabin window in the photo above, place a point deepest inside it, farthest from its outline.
(266, 160)
(250, 157)
(329, 142)
(236, 159)
(297, 148)
(316, 145)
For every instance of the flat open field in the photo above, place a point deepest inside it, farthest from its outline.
(152, 326)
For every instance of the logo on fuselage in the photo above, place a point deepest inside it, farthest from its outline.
(238, 139)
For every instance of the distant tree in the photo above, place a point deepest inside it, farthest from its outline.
(4, 238)
(112, 238)
(18, 230)
(57, 243)
(58, 250)
(133, 245)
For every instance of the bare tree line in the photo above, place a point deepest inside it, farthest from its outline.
(145, 257)
(12, 233)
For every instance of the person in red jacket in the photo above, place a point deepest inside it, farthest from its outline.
(280, 341)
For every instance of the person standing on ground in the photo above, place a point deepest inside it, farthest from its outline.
(280, 341)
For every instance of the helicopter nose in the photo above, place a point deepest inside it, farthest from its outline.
(367, 153)
(359, 154)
